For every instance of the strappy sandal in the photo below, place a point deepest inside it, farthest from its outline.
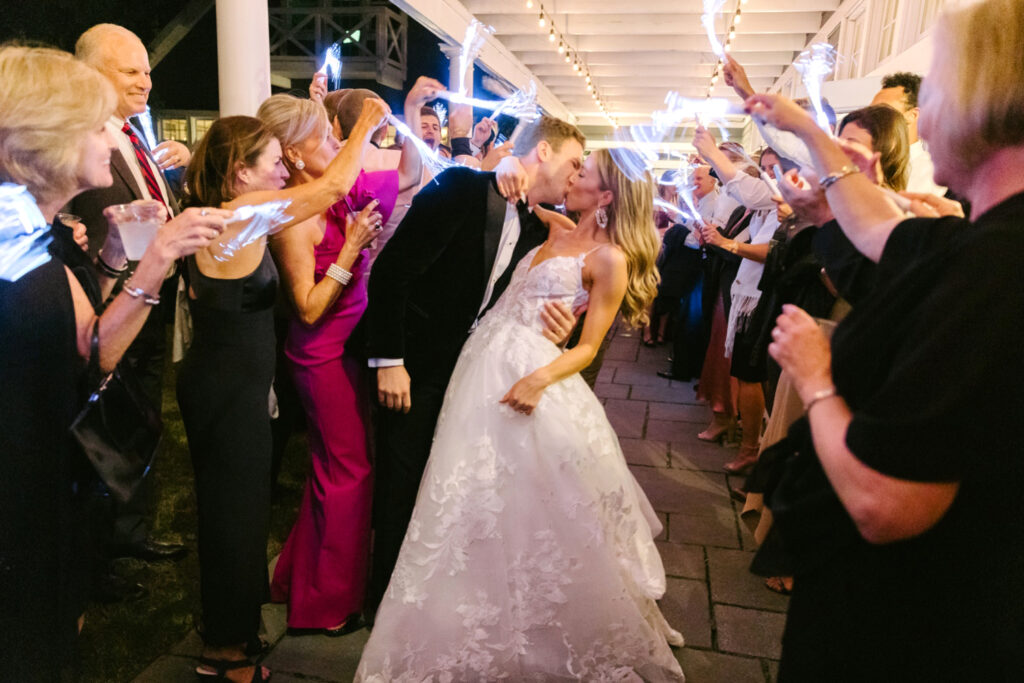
(221, 667)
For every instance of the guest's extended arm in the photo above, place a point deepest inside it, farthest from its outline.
(865, 213)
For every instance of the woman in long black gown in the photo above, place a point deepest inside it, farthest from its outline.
(224, 382)
(901, 501)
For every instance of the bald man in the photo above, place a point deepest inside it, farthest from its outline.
(121, 57)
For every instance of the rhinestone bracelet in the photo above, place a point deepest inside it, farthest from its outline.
(339, 274)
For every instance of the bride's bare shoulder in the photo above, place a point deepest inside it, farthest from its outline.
(553, 219)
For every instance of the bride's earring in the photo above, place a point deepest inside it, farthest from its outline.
(601, 217)
(300, 164)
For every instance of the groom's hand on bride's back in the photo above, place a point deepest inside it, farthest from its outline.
(558, 321)
(393, 388)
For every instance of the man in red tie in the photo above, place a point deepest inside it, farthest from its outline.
(138, 174)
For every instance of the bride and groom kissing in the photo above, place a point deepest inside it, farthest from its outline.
(511, 540)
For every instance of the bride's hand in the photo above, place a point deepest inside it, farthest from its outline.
(525, 394)
(513, 183)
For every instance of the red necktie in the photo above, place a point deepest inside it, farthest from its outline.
(143, 158)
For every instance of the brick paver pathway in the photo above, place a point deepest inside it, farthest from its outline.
(731, 622)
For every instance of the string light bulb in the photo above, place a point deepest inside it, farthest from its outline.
(567, 57)
(588, 78)
(551, 35)
(540, 20)
(561, 47)
(529, 4)
(732, 33)
(738, 17)
(575, 66)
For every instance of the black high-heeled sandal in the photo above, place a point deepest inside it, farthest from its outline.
(221, 667)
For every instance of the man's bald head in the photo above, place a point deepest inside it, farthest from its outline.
(120, 56)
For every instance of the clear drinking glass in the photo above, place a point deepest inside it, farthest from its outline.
(137, 222)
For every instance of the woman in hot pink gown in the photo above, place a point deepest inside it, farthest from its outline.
(322, 570)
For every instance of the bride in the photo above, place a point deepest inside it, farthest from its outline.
(530, 555)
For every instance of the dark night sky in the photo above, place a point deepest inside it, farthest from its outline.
(187, 77)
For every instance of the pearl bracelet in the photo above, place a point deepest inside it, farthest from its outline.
(339, 274)
(817, 396)
(139, 293)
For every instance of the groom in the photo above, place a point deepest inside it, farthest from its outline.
(448, 262)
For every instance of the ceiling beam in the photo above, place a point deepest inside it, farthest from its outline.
(641, 81)
(636, 57)
(682, 69)
(662, 44)
(478, 7)
(659, 24)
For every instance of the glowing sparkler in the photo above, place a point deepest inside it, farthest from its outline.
(332, 65)
(815, 65)
(476, 34)
(711, 10)
(522, 104)
(264, 219)
(434, 161)
(24, 234)
(442, 114)
(146, 121)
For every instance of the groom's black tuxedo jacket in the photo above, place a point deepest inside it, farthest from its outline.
(427, 285)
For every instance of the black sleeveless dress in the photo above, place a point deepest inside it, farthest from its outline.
(223, 388)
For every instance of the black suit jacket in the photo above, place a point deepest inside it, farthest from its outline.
(90, 204)
(427, 285)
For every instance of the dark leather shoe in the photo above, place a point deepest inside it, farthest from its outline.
(667, 374)
(151, 551)
(111, 588)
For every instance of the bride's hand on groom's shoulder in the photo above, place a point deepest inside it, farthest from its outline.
(558, 322)
(393, 388)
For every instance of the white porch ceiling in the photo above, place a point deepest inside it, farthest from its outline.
(637, 50)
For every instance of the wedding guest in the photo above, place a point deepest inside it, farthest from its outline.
(902, 483)
(224, 381)
(321, 573)
(120, 56)
(900, 91)
(746, 365)
(53, 142)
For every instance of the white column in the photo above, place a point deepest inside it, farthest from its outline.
(454, 63)
(243, 56)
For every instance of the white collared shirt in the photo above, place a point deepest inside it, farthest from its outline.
(922, 171)
(510, 230)
(124, 145)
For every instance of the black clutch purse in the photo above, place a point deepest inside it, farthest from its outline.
(118, 429)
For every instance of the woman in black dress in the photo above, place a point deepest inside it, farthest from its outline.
(47, 317)
(224, 382)
(901, 499)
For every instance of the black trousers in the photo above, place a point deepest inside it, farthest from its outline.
(402, 448)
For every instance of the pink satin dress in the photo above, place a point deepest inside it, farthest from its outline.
(323, 567)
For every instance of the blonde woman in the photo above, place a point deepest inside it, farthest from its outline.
(900, 500)
(322, 570)
(530, 554)
(54, 145)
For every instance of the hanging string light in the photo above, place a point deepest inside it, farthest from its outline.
(731, 36)
(571, 56)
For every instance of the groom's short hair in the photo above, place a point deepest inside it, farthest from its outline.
(554, 131)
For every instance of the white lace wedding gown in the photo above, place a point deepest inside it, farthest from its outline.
(530, 554)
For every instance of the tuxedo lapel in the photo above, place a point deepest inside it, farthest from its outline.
(494, 221)
(120, 167)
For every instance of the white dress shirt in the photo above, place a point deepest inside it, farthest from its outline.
(510, 230)
(922, 171)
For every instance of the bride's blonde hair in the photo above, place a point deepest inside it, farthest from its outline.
(631, 228)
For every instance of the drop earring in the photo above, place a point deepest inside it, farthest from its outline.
(601, 217)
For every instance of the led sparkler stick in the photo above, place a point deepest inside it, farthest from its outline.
(434, 161)
(815, 65)
(442, 114)
(146, 121)
(476, 34)
(24, 234)
(711, 10)
(332, 65)
(264, 219)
